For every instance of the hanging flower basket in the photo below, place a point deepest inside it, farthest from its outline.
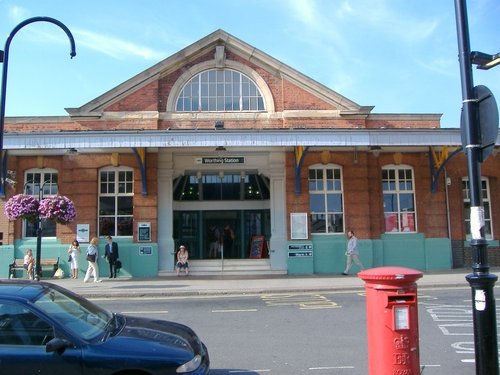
(60, 209)
(22, 206)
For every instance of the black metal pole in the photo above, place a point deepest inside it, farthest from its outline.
(4, 57)
(38, 255)
(480, 280)
(38, 269)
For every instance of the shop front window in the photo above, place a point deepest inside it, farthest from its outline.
(399, 199)
(116, 195)
(326, 199)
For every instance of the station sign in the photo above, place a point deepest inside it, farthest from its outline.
(210, 160)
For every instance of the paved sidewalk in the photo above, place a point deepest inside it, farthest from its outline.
(235, 285)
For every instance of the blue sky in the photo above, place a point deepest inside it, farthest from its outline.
(397, 55)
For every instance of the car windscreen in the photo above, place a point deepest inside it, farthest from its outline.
(78, 315)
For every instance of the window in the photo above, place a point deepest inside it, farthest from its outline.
(220, 90)
(19, 326)
(221, 187)
(41, 184)
(485, 191)
(399, 199)
(325, 199)
(116, 195)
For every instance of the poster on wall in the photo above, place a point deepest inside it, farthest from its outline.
(83, 232)
(391, 222)
(298, 226)
(258, 247)
(408, 222)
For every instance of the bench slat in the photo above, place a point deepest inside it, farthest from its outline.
(18, 264)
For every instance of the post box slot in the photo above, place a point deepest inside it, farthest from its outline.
(401, 299)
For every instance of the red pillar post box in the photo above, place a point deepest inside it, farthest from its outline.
(392, 320)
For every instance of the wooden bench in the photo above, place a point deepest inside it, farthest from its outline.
(47, 263)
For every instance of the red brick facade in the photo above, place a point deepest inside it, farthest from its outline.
(299, 103)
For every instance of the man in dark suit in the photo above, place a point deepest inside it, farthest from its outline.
(111, 254)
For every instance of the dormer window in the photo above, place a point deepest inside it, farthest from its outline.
(220, 90)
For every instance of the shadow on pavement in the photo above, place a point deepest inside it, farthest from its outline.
(151, 286)
(232, 371)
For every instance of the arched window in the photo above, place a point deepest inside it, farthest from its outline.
(116, 201)
(40, 183)
(398, 188)
(220, 90)
(326, 199)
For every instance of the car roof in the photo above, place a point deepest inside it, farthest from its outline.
(24, 289)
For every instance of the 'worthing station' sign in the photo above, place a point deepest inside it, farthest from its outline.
(221, 160)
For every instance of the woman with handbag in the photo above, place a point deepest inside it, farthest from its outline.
(92, 255)
(73, 251)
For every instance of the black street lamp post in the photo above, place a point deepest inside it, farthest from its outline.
(4, 57)
(39, 223)
(475, 125)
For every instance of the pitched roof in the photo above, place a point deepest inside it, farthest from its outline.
(219, 37)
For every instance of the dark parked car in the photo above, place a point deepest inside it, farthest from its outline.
(46, 329)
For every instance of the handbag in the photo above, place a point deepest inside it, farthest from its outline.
(59, 274)
(91, 257)
(69, 258)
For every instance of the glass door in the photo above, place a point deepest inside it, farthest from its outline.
(220, 234)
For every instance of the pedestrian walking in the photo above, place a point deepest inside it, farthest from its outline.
(352, 253)
(92, 256)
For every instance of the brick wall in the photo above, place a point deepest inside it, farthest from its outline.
(78, 180)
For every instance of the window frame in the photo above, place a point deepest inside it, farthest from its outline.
(116, 195)
(486, 199)
(35, 192)
(213, 186)
(325, 192)
(399, 192)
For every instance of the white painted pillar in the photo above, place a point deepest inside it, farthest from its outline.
(278, 240)
(166, 244)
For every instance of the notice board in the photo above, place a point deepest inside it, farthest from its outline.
(258, 247)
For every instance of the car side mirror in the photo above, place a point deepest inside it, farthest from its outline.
(57, 345)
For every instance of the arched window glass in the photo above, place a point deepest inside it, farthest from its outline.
(220, 90)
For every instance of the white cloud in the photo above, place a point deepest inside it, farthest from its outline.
(17, 13)
(442, 66)
(317, 24)
(392, 20)
(116, 48)
(304, 11)
(336, 20)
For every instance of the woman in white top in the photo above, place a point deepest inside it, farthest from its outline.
(29, 263)
(74, 250)
(92, 257)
